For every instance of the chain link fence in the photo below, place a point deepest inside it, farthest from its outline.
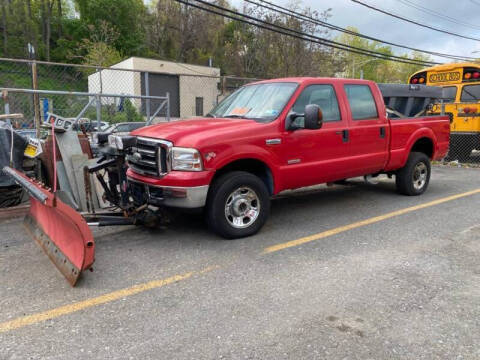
(130, 95)
(124, 94)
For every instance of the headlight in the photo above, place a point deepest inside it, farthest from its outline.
(121, 142)
(185, 159)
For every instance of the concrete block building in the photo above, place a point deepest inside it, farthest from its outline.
(193, 89)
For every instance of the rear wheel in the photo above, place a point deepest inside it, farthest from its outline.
(238, 205)
(414, 177)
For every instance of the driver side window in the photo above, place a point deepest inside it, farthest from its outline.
(321, 95)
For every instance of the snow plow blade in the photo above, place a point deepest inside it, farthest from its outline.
(59, 230)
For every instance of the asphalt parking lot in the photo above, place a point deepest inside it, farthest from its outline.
(345, 272)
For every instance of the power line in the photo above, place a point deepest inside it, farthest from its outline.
(475, 2)
(412, 21)
(300, 16)
(322, 40)
(437, 14)
(300, 35)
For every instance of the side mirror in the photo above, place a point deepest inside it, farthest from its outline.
(313, 117)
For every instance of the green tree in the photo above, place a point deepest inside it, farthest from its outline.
(379, 70)
(99, 47)
(127, 16)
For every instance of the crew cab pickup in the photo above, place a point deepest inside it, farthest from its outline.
(275, 135)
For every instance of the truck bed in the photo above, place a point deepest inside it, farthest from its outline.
(405, 131)
(409, 100)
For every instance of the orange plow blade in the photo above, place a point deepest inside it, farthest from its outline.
(59, 230)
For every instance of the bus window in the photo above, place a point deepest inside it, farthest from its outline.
(470, 93)
(449, 94)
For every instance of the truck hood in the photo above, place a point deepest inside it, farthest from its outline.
(190, 133)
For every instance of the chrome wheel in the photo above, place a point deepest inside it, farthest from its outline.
(420, 174)
(242, 207)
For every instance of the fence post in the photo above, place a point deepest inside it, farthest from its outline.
(7, 105)
(168, 107)
(99, 100)
(100, 79)
(98, 103)
(36, 100)
(224, 86)
(147, 93)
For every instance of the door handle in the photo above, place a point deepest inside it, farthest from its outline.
(382, 132)
(345, 135)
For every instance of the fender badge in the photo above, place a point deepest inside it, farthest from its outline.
(209, 156)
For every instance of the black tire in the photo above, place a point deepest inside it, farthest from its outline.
(224, 190)
(10, 196)
(414, 177)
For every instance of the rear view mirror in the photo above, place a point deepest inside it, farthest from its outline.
(313, 117)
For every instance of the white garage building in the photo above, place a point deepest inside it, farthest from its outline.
(193, 89)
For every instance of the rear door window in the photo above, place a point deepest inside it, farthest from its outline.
(361, 101)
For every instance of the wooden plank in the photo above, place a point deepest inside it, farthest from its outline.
(14, 211)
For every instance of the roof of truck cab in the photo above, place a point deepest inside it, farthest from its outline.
(301, 80)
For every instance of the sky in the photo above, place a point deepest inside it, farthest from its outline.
(464, 13)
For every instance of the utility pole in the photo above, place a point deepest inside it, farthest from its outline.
(361, 69)
(36, 100)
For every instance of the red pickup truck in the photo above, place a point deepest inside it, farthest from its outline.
(280, 134)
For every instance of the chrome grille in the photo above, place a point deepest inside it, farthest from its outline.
(150, 157)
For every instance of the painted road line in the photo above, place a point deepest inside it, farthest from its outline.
(365, 222)
(103, 299)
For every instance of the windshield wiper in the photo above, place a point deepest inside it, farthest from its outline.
(210, 115)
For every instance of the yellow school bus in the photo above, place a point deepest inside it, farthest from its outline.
(461, 93)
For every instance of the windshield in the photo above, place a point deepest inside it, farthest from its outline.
(261, 102)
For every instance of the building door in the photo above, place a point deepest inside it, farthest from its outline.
(160, 84)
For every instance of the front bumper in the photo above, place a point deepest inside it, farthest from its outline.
(186, 193)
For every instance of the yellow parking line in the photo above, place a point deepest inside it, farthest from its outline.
(369, 221)
(106, 298)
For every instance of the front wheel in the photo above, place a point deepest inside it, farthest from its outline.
(414, 177)
(238, 205)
